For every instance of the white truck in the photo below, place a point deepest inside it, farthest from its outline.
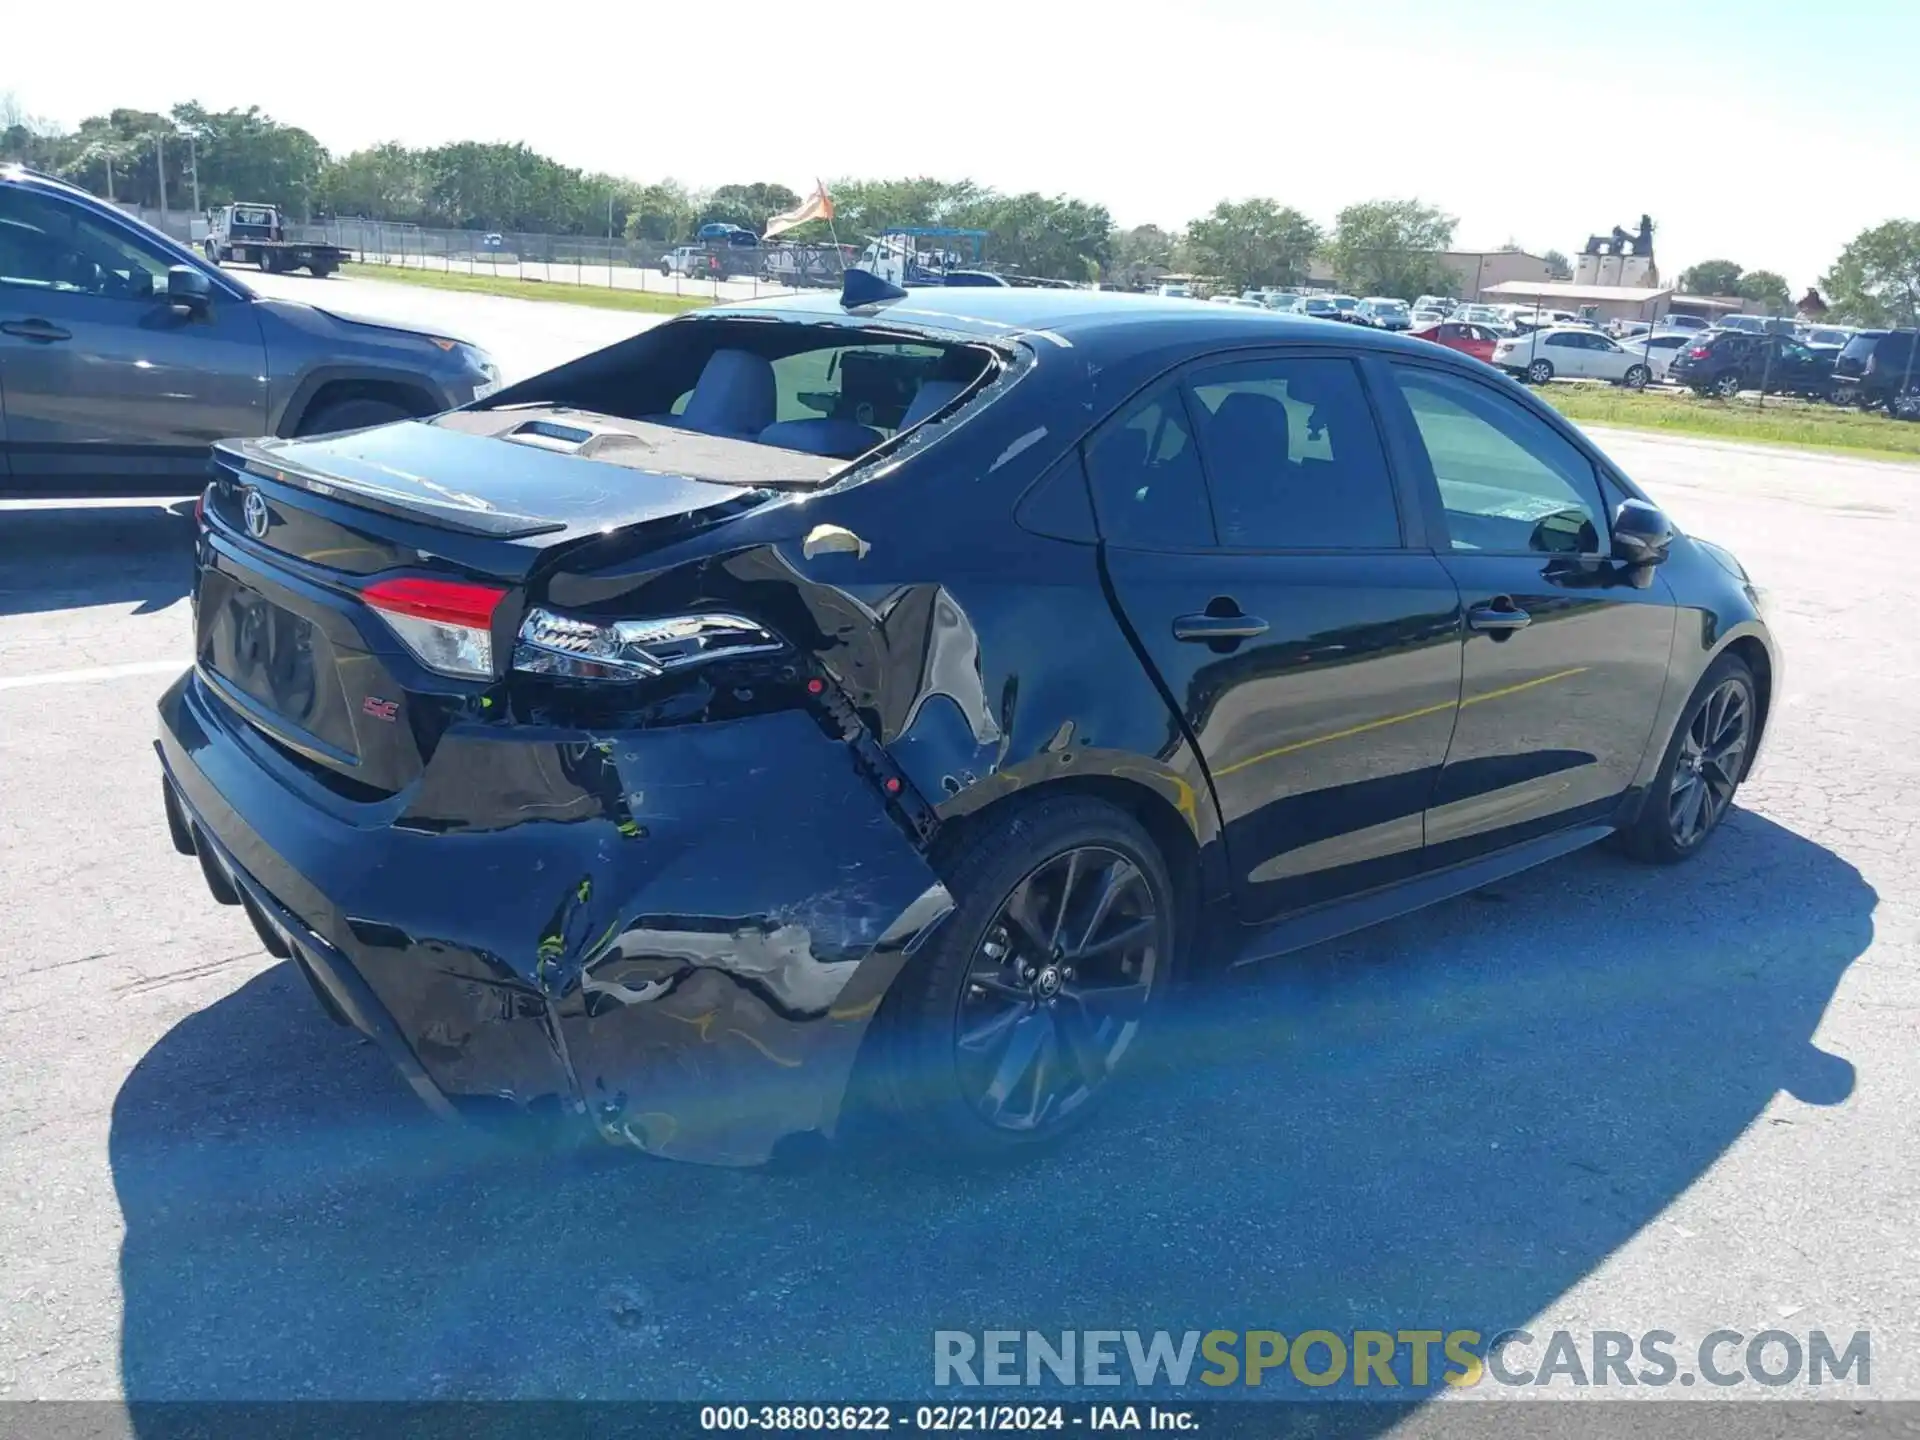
(247, 231)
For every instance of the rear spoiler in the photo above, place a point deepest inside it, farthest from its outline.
(464, 515)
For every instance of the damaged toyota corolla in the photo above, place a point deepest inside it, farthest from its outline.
(908, 688)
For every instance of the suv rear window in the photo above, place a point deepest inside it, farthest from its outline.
(1861, 346)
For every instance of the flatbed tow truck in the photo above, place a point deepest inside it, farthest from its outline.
(246, 231)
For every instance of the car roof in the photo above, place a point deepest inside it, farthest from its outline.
(1061, 315)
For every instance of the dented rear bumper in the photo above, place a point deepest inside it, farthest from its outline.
(677, 934)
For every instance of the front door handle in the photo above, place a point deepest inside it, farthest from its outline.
(43, 330)
(1203, 628)
(1501, 617)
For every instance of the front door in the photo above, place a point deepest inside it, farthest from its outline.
(1565, 656)
(104, 380)
(1253, 542)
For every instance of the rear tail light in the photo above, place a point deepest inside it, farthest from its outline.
(200, 511)
(1698, 352)
(447, 624)
(577, 649)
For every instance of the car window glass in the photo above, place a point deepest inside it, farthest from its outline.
(51, 244)
(1148, 490)
(1294, 459)
(1565, 342)
(1507, 480)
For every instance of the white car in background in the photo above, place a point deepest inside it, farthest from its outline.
(1657, 348)
(1493, 315)
(1571, 352)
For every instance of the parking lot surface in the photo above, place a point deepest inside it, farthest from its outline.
(1595, 1096)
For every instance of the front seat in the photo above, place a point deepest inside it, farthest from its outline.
(734, 396)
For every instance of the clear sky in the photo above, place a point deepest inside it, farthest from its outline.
(1768, 132)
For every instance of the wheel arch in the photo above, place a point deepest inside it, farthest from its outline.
(1190, 865)
(328, 385)
(1759, 661)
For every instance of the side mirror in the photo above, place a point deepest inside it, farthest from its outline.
(188, 290)
(1642, 533)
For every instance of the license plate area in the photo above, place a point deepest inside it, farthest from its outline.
(279, 661)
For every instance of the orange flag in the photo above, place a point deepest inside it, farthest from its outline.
(817, 206)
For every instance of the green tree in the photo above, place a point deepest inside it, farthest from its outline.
(1392, 247)
(245, 155)
(1253, 243)
(1711, 277)
(662, 214)
(748, 206)
(1876, 280)
(1558, 266)
(1763, 287)
(386, 182)
(1033, 234)
(135, 141)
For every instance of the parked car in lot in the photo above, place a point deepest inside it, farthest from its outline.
(1684, 322)
(1345, 304)
(1657, 348)
(1570, 352)
(1725, 362)
(1493, 315)
(124, 355)
(1873, 367)
(1318, 307)
(666, 746)
(1385, 313)
(1475, 340)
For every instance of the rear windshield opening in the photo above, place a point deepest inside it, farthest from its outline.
(829, 391)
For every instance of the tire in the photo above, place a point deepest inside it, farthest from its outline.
(666, 270)
(356, 414)
(1638, 377)
(1539, 372)
(213, 256)
(1662, 834)
(268, 262)
(320, 271)
(963, 1040)
(1727, 387)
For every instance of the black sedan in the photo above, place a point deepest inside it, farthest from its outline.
(898, 694)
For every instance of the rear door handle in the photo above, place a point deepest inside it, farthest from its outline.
(42, 330)
(1218, 627)
(1498, 618)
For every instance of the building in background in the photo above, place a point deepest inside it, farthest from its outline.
(1646, 303)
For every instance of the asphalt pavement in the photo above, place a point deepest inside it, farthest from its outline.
(1593, 1097)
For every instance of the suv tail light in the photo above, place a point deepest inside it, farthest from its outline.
(577, 649)
(1698, 352)
(447, 624)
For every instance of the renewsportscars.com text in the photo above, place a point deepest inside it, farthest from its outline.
(1382, 1360)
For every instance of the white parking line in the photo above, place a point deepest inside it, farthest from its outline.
(98, 672)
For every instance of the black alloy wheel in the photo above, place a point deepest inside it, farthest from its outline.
(1057, 988)
(1713, 754)
(1705, 762)
(1015, 1021)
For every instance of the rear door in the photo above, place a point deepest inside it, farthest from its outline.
(1260, 552)
(1565, 658)
(104, 380)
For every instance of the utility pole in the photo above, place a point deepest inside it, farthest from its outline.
(109, 159)
(193, 169)
(160, 167)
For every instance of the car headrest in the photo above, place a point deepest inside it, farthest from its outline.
(734, 395)
(931, 396)
(1249, 429)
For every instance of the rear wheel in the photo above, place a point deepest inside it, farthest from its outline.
(355, 414)
(268, 262)
(1727, 386)
(320, 270)
(1007, 1031)
(1703, 766)
(1637, 377)
(1540, 372)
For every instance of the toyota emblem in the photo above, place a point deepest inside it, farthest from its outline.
(254, 508)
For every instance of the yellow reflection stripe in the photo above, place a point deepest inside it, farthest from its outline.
(1362, 729)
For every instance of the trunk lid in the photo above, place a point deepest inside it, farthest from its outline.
(482, 502)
